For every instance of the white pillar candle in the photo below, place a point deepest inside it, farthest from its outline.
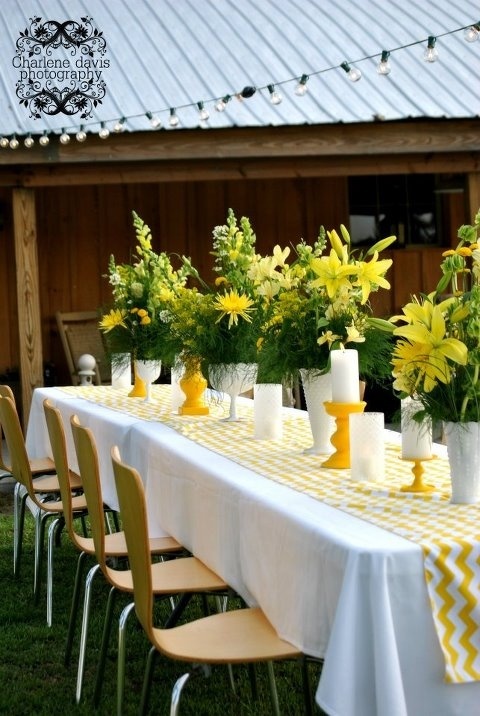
(367, 446)
(267, 411)
(416, 437)
(178, 396)
(345, 378)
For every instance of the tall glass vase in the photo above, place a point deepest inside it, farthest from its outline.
(317, 389)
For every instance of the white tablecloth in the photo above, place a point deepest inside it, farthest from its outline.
(334, 585)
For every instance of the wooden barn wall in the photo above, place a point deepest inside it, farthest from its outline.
(79, 227)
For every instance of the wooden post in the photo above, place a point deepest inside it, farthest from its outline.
(28, 296)
(473, 194)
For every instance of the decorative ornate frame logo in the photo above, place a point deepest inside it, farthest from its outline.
(61, 85)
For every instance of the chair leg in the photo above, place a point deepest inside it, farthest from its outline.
(147, 681)
(83, 637)
(177, 692)
(20, 499)
(40, 522)
(307, 690)
(107, 627)
(122, 624)
(273, 688)
(51, 539)
(74, 608)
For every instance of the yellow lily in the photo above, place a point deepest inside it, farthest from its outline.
(370, 274)
(332, 273)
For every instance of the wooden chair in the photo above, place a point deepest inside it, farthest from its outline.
(80, 334)
(184, 576)
(43, 494)
(230, 637)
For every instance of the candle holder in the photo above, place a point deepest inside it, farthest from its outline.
(341, 437)
(418, 485)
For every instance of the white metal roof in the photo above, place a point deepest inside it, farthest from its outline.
(176, 53)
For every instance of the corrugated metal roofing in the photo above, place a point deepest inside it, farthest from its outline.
(175, 53)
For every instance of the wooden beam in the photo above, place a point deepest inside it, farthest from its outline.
(28, 295)
(332, 140)
(155, 172)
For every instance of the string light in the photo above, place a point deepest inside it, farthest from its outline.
(472, 33)
(247, 92)
(353, 73)
(81, 135)
(275, 97)
(202, 112)
(383, 67)
(221, 104)
(119, 126)
(302, 87)
(431, 53)
(155, 123)
(104, 132)
(29, 141)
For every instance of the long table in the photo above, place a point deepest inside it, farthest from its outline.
(337, 586)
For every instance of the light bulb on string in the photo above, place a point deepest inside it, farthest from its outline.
(29, 141)
(155, 123)
(302, 87)
(104, 132)
(383, 67)
(221, 104)
(431, 53)
(4, 143)
(246, 93)
(353, 73)
(472, 33)
(81, 135)
(119, 126)
(13, 143)
(275, 97)
(44, 140)
(64, 137)
(202, 112)
(173, 119)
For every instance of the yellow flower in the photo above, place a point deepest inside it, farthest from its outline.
(371, 274)
(145, 320)
(332, 273)
(142, 313)
(219, 280)
(464, 251)
(328, 337)
(112, 320)
(233, 305)
(433, 347)
(448, 252)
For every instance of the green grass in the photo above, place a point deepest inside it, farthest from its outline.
(33, 678)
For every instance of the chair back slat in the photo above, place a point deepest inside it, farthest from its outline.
(5, 392)
(131, 497)
(58, 444)
(87, 458)
(16, 445)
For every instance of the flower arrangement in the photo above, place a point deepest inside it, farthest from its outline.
(138, 322)
(322, 302)
(220, 323)
(437, 355)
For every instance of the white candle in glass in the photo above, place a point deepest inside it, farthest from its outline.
(345, 377)
(416, 437)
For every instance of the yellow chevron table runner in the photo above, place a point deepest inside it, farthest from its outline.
(448, 534)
